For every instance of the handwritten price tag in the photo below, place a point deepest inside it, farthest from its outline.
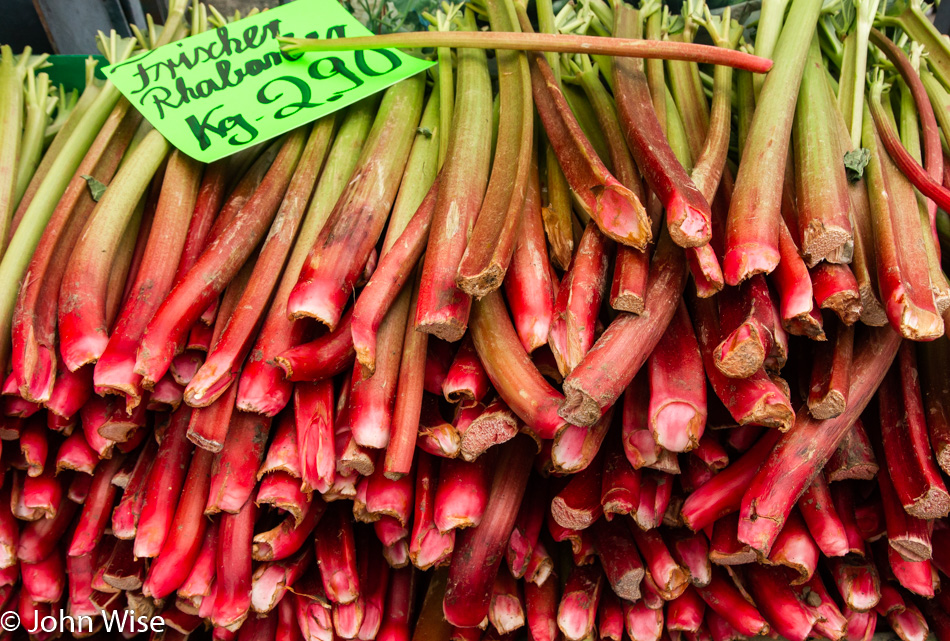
(218, 92)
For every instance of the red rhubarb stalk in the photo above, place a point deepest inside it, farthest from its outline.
(313, 419)
(541, 603)
(322, 358)
(506, 612)
(164, 485)
(620, 490)
(617, 211)
(691, 551)
(906, 442)
(492, 241)
(754, 400)
(179, 552)
(933, 158)
(221, 366)
(824, 524)
(619, 557)
(95, 513)
(343, 246)
(290, 535)
(609, 367)
(794, 548)
(125, 517)
(263, 387)
(466, 378)
(216, 267)
(723, 493)
(511, 371)
(901, 262)
(727, 601)
(428, 546)
(82, 315)
(467, 597)
(578, 301)
(232, 600)
(831, 373)
(854, 457)
(688, 214)
(820, 183)
(563, 43)
(934, 359)
(780, 604)
(753, 229)
(746, 315)
(336, 556)
(485, 427)
(443, 308)
(391, 274)
(234, 472)
(113, 371)
(372, 396)
(638, 443)
(462, 496)
(677, 401)
(577, 506)
(528, 283)
(402, 432)
(808, 447)
(34, 318)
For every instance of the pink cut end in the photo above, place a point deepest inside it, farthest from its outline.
(84, 350)
(759, 532)
(307, 300)
(675, 427)
(263, 389)
(39, 387)
(745, 261)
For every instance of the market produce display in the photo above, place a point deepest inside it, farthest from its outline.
(617, 323)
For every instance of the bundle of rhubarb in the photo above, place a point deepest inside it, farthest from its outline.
(667, 361)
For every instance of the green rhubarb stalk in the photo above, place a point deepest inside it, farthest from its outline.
(910, 137)
(689, 97)
(652, 11)
(87, 98)
(918, 26)
(11, 124)
(546, 24)
(587, 119)
(556, 213)
(745, 105)
(831, 46)
(752, 229)
(492, 242)
(767, 31)
(65, 103)
(939, 98)
(824, 206)
(676, 133)
(851, 95)
(39, 106)
(711, 159)
(443, 20)
(37, 214)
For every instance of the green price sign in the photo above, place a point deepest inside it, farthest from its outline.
(218, 92)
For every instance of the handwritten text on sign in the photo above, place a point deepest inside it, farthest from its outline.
(215, 93)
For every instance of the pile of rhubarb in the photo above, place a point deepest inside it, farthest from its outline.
(593, 331)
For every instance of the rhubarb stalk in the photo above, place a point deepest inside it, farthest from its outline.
(752, 233)
(343, 246)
